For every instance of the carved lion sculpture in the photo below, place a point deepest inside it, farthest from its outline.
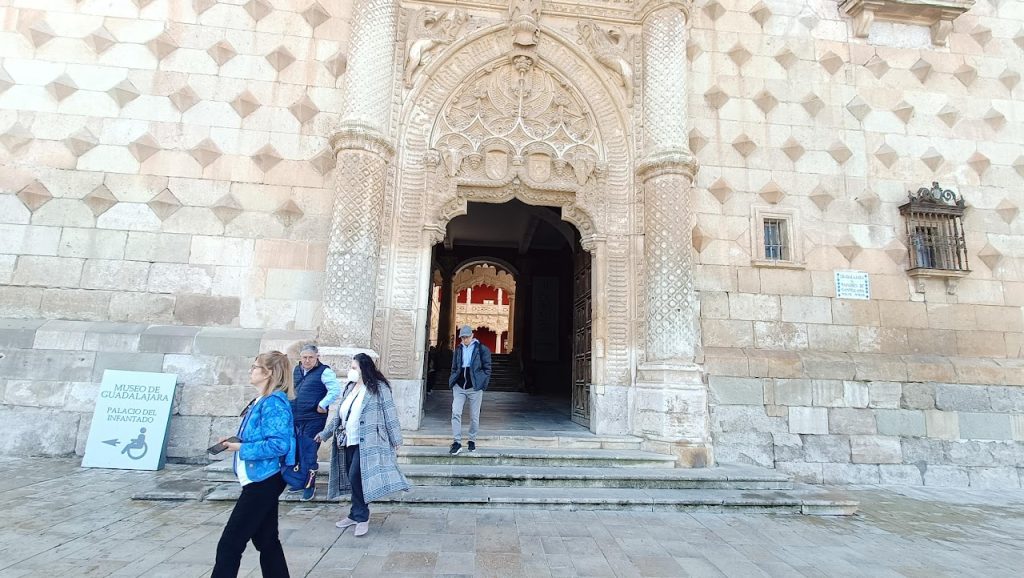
(611, 47)
(429, 29)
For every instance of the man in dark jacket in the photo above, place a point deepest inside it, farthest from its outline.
(471, 373)
(316, 387)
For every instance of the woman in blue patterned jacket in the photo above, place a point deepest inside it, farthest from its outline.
(267, 434)
(368, 436)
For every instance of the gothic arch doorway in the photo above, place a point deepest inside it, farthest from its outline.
(512, 272)
(490, 127)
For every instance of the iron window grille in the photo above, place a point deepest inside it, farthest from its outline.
(935, 230)
(776, 246)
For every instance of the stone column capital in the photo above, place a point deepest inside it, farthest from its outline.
(353, 136)
(676, 162)
(646, 9)
(589, 243)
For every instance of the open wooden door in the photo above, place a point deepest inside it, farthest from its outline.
(581, 341)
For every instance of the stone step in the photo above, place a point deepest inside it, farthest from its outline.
(564, 458)
(529, 439)
(536, 457)
(800, 500)
(722, 477)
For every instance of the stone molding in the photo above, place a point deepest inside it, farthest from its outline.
(361, 137)
(645, 9)
(937, 14)
(675, 162)
(484, 275)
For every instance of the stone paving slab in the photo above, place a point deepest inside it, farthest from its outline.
(57, 519)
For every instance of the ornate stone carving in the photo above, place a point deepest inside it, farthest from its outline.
(665, 98)
(355, 237)
(519, 120)
(667, 176)
(524, 22)
(613, 48)
(368, 83)
(442, 170)
(484, 275)
(430, 29)
(361, 177)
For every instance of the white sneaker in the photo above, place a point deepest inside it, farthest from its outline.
(345, 523)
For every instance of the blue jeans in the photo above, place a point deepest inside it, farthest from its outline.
(308, 428)
(360, 511)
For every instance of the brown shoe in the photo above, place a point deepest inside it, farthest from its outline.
(362, 528)
(345, 523)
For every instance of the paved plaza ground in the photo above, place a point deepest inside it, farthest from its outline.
(57, 519)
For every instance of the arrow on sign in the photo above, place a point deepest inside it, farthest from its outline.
(112, 442)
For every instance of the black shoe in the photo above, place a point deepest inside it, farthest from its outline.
(472, 446)
(455, 449)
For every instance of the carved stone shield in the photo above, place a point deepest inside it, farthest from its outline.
(538, 166)
(496, 164)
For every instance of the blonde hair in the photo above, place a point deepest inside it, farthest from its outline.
(280, 369)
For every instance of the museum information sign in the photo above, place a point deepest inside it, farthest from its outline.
(130, 423)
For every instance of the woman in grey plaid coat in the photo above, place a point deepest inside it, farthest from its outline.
(367, 435)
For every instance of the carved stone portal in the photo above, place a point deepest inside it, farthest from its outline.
(515, 109)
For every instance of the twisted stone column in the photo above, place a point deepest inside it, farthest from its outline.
(671, 398)
(363, 154)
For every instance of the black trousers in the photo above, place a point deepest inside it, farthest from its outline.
(360, 511)
(254, 518)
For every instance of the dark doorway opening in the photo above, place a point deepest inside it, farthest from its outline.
(524, 263)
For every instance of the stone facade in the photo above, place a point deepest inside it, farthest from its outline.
(178, 171)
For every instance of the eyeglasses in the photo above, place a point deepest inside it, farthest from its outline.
(258, 367)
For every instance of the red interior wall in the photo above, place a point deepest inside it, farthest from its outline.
(487, 337)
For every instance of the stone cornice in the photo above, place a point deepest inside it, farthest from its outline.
(619, 11)
(353, 136)
(676, 161)
(938, 14)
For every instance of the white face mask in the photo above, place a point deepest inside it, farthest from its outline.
(353, 375)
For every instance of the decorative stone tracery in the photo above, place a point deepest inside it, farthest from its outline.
(518, 121)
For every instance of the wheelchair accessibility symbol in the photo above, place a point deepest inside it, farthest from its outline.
(135, 449)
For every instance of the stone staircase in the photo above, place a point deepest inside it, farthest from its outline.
(506, 374)
(555, 471)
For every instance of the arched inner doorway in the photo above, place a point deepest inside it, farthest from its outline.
(511, 271)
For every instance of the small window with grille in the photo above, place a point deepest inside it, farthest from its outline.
(776, 242)
(774, 239)
(935, 231)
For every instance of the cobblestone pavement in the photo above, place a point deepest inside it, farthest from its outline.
(57, 519)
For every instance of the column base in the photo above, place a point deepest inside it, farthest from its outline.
(408, 393)
(671, 412)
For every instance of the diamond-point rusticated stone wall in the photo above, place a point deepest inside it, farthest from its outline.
(168, 166)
